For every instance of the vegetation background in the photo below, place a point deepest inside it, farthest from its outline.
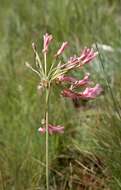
(88, 155)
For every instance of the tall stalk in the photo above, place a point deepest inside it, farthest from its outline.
(46, 123)
(47, 89)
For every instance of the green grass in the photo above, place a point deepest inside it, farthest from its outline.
(90, 134)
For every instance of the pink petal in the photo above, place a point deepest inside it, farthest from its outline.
(63, 78)
(82, 82)
(70, 94)
(61, 49)
(91, 93)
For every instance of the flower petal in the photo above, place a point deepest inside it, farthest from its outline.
(91, 93)
(70, 94)
(68, 79)
(82, 82)
(61, 49)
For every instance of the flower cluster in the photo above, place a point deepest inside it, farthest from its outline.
(58, 72)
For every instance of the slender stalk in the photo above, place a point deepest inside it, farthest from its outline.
(46, 123)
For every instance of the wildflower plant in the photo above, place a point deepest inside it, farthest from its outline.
(58, 73)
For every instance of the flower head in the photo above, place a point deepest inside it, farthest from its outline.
(47, 39)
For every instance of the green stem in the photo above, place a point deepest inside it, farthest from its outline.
(47, 91)
(47, 135)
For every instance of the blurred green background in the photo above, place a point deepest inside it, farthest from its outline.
(88, 155)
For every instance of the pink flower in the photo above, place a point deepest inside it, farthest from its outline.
(87, 55)
(82, 82)
(70, 94)
(47, 39)
(62, 48)
(68, 79)
(91, 93)
(75, 82)
(87, 94)
(52, 129)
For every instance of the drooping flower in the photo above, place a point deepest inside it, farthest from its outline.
(61, 49)
(82, 82)
(73, 81)
(52, 129)
(91, 93)
(70, 94)
(87, 94)
(68, 79)
(47, 39)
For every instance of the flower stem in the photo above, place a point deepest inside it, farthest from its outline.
(47, 90)
(47, 135)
